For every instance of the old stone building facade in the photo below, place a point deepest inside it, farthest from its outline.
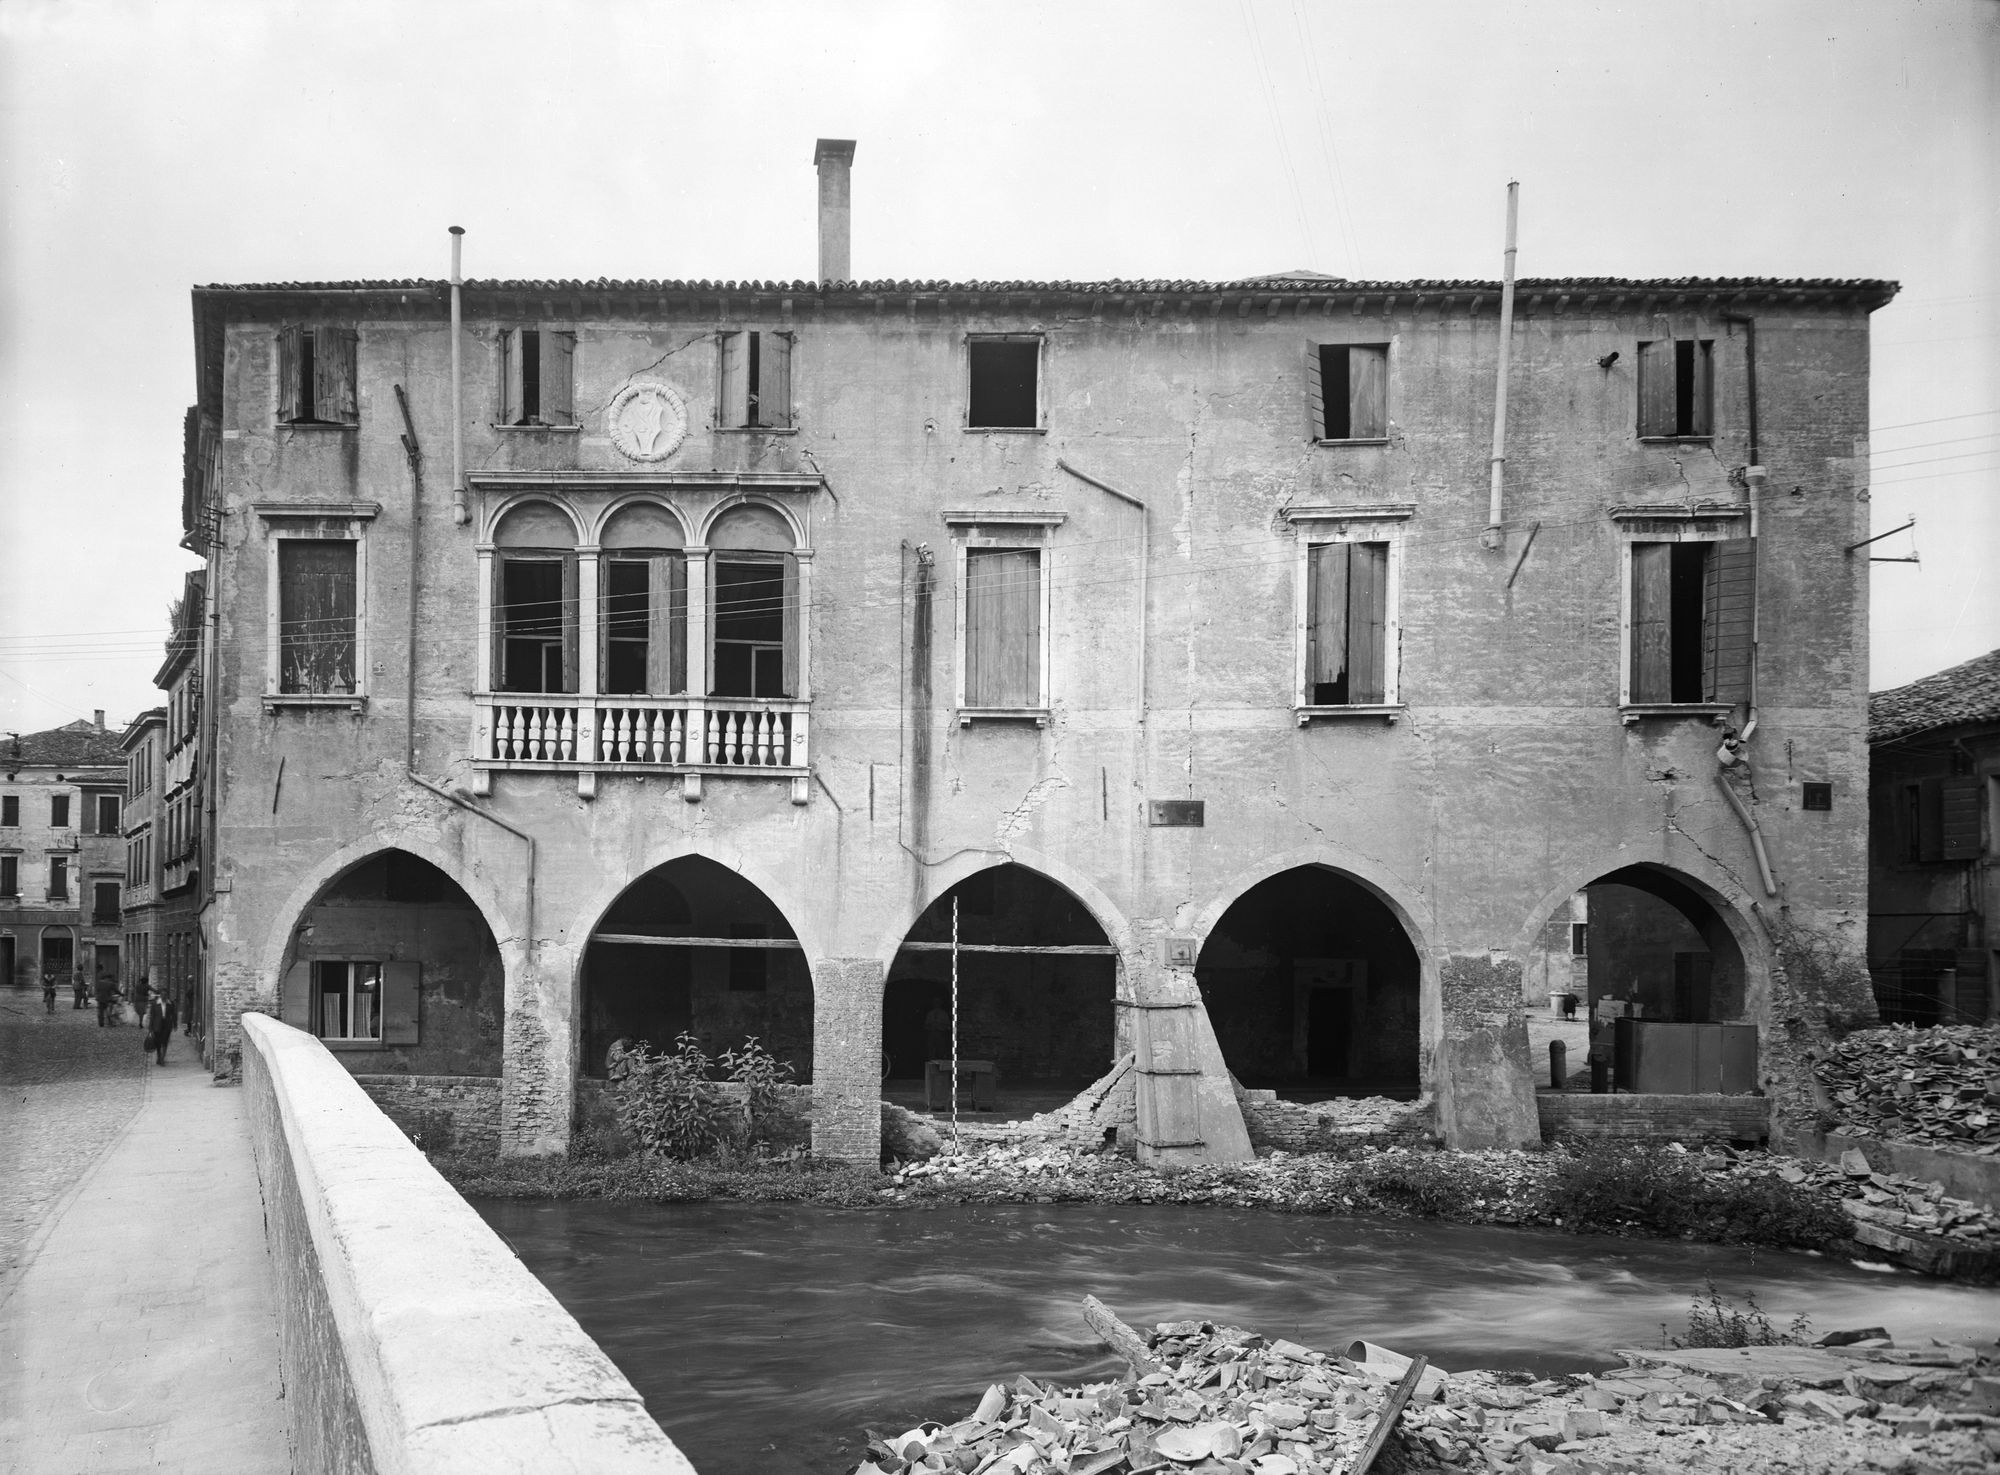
(62, 855)
(755, 639)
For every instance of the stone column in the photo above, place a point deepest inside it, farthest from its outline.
(847, 1060)
(1485, 1080)
(538, 1050)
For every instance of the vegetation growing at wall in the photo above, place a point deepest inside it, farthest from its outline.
(671, 1104)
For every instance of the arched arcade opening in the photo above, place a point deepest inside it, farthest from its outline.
(692, 947)
(393, 966)
(1312, 986)
(1037, 988)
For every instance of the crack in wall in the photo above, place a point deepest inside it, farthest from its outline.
(604, 404)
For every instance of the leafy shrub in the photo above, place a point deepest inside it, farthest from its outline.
(666, 1101)
(1609, 1187)
(771, 1121)
(1714, 1322)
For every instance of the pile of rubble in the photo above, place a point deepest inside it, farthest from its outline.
(1899, 1202)
(1207, 1398)
(1939, 1087)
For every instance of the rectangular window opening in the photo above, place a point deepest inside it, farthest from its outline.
(1692, 612)
(10, 811)
(1579, 936)
(10, 875)
(1347, 612)
(308, 371)
(104, 903)
(749, 627)
(627, 625)
(58, 811)
(58, 880)
(533, 621)
(1676, 388)
(107, 814)
(316, 609)
(1003, 393)
(531, 377)
(1353, 388)
(1003, 627)
(347, 1001)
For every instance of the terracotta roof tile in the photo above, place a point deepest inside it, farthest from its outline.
(1966, 693)
(77, 745)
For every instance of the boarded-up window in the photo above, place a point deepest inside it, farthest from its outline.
(1677, 387)
(1693, 610)
(316, 375)
(756, 380)
(537, 376)
(1347, 617)
(1003, 627)
(1002, 390)
(316, 609)
(1347, 391)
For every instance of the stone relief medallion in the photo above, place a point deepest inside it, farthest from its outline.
(648, 422)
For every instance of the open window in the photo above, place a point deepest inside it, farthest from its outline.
(1347, 391)
(535, 601)
(1676, 388)
(316, 383)
(642, 594)
(756, 380)
(1693, 606)
(1003, 390)
(537, 376)
(753, 605)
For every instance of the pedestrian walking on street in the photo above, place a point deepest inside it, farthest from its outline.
(160, 1019)
(49, 992)
(81, 992)
(107, 1002)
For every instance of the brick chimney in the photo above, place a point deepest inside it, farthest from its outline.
(834, 158)
(97, 716)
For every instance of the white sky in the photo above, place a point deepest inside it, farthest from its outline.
(148, 147)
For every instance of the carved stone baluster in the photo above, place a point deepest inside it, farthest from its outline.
(764, 721)
(711, 736)
(569, 734)
(736, 739)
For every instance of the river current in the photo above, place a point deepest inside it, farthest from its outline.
(766, 1337)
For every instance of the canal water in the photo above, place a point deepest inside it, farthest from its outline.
(766, 1337)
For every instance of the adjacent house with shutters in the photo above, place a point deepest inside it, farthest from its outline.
(1070, 677)
(62, 855)
(1933, 885)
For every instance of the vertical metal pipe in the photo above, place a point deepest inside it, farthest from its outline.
(1492, 538)
(459, 515)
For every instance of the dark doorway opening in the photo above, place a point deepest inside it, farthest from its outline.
(1037, 982)
(1312, 987)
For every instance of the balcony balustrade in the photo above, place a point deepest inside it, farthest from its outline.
(678, 733)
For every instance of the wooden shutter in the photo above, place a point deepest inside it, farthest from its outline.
(507, 384)
(774, 393)
(334, 352)
(290, 349)
(1701, 414)
(1959, 815)
(316, 608)
(401, 1002)
(735, 403)
(498, 631)
(1315, 400)
(793, 616)
(1367, 622)
(1367, 393)
(558, 378)
(1728, 617)
(1927, 819)
(1003, 605)
(1658, 403)
(666, 622)
(677, 615)
(1652, 627)
(295, 996)
(570, 622)
(1326, 615)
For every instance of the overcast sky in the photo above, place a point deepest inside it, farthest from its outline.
(152, 146)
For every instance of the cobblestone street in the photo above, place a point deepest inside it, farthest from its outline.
(67, 1089)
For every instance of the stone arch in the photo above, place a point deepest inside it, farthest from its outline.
(277, 951)
(739, 500)
(610, 511)
(599, 902)
(1380, 969)
(498, 514)
(1731, 903)
(947, 873)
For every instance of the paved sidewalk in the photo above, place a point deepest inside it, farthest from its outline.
(141, 1333)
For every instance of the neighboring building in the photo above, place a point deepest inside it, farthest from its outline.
(1934, 880)
(1146, 634)
(62, 854)
(163, 821)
